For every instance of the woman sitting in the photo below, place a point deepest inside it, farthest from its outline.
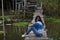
(37, 28)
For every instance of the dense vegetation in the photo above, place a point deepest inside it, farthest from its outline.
(51, 7)
(51, 10)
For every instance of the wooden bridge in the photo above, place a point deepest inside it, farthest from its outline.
(32, 36)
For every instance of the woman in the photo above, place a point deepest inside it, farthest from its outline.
(37, 27)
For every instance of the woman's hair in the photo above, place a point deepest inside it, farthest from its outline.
(38, 19)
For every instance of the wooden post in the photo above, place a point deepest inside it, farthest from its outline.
(13, 4)
(24, 7)
(18, 6)
(3, 19)
(15, 7)
(41, 4)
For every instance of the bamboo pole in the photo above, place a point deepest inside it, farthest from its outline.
(3, 19)
(24, 7)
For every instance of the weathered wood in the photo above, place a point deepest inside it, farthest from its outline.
(32, 35)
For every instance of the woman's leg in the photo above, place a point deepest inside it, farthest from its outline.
(36, 32)
(32, 28)
(29, 30)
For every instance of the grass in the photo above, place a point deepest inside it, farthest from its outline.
(7, 17)
(52, 19)
(0, 21)
(21, 24)
(1, 32)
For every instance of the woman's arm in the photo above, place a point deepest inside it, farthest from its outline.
(30, 24)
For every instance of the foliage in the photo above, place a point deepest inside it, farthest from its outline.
(53, 26)
(1, 32)
(21, 24)
(7, 17)
(51, 7)
(51, 19)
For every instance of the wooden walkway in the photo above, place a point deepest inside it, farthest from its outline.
(32, 35)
